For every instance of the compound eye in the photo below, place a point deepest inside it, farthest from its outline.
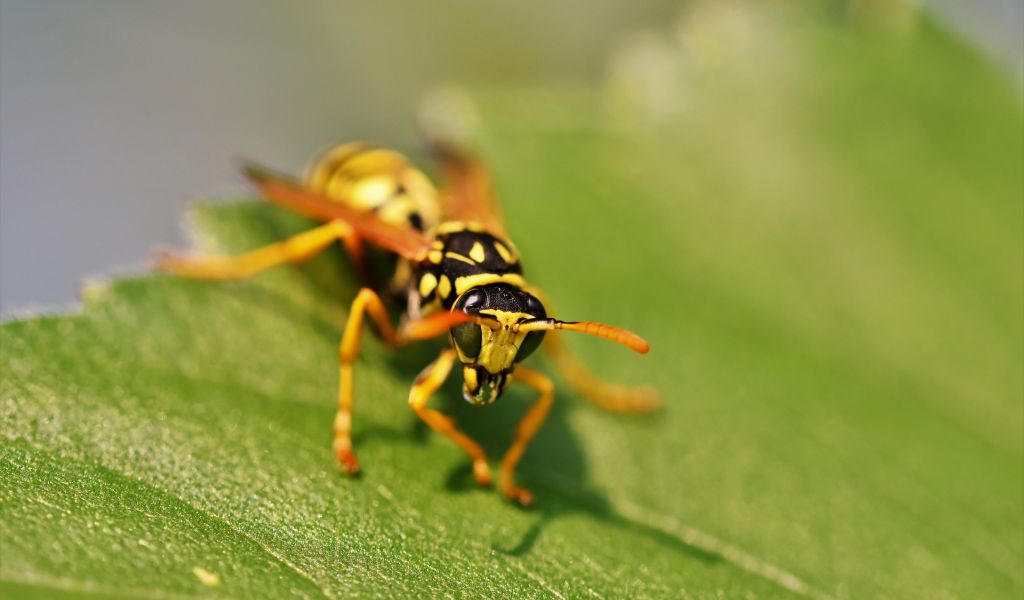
(534, 308)
(472, 302)
(530, 343)
(468, 338)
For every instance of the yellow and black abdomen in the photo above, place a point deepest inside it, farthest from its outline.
(374, 179)
(464, 256)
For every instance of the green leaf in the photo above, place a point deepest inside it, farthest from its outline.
(820, 233)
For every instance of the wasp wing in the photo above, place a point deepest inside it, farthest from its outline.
(468, 190)
(291, 194)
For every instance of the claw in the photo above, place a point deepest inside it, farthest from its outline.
(482, 473)
(347, 461)
(521, 496)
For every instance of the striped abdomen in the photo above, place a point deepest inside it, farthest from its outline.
(375, 179)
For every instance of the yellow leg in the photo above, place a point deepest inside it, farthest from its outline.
(292, 250)
(611, 397)
(531, 422)
(366, 301)
(354, 246)
(426, 384)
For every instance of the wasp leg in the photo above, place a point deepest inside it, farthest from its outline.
(292, 250)
(357, 253)
(525, 431)
(610, 397)
(426, 384)
(367, 301)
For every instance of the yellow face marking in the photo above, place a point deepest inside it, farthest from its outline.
(427, 284)
(469, 376)
(434, 256)
(444, 287)
(505, 317)
(470, 281)
(458, 256)
(503, 252)
(477, 252)
(499, 347)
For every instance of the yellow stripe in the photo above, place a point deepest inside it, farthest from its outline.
(323, 167)
(458, 256)
(471, 281)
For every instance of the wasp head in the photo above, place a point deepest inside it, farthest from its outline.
(490, 348)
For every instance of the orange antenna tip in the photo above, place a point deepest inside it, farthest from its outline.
(608, 332)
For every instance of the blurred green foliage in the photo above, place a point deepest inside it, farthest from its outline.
(818, 228)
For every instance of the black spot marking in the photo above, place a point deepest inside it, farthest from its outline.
(461, 242)
(416, 221)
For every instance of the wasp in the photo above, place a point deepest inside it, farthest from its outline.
(457, 274)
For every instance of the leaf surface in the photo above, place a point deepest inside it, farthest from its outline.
(822, 240)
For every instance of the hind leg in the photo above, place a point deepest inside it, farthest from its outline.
(295, 249)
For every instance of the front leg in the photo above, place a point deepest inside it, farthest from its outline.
(528, 426)
(426, 384)
(367, 302)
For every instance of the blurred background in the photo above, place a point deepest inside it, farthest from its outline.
(113, 113)
(812, 210)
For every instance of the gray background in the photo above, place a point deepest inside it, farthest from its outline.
(112, 113)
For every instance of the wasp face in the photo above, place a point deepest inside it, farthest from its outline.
(489, 353)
